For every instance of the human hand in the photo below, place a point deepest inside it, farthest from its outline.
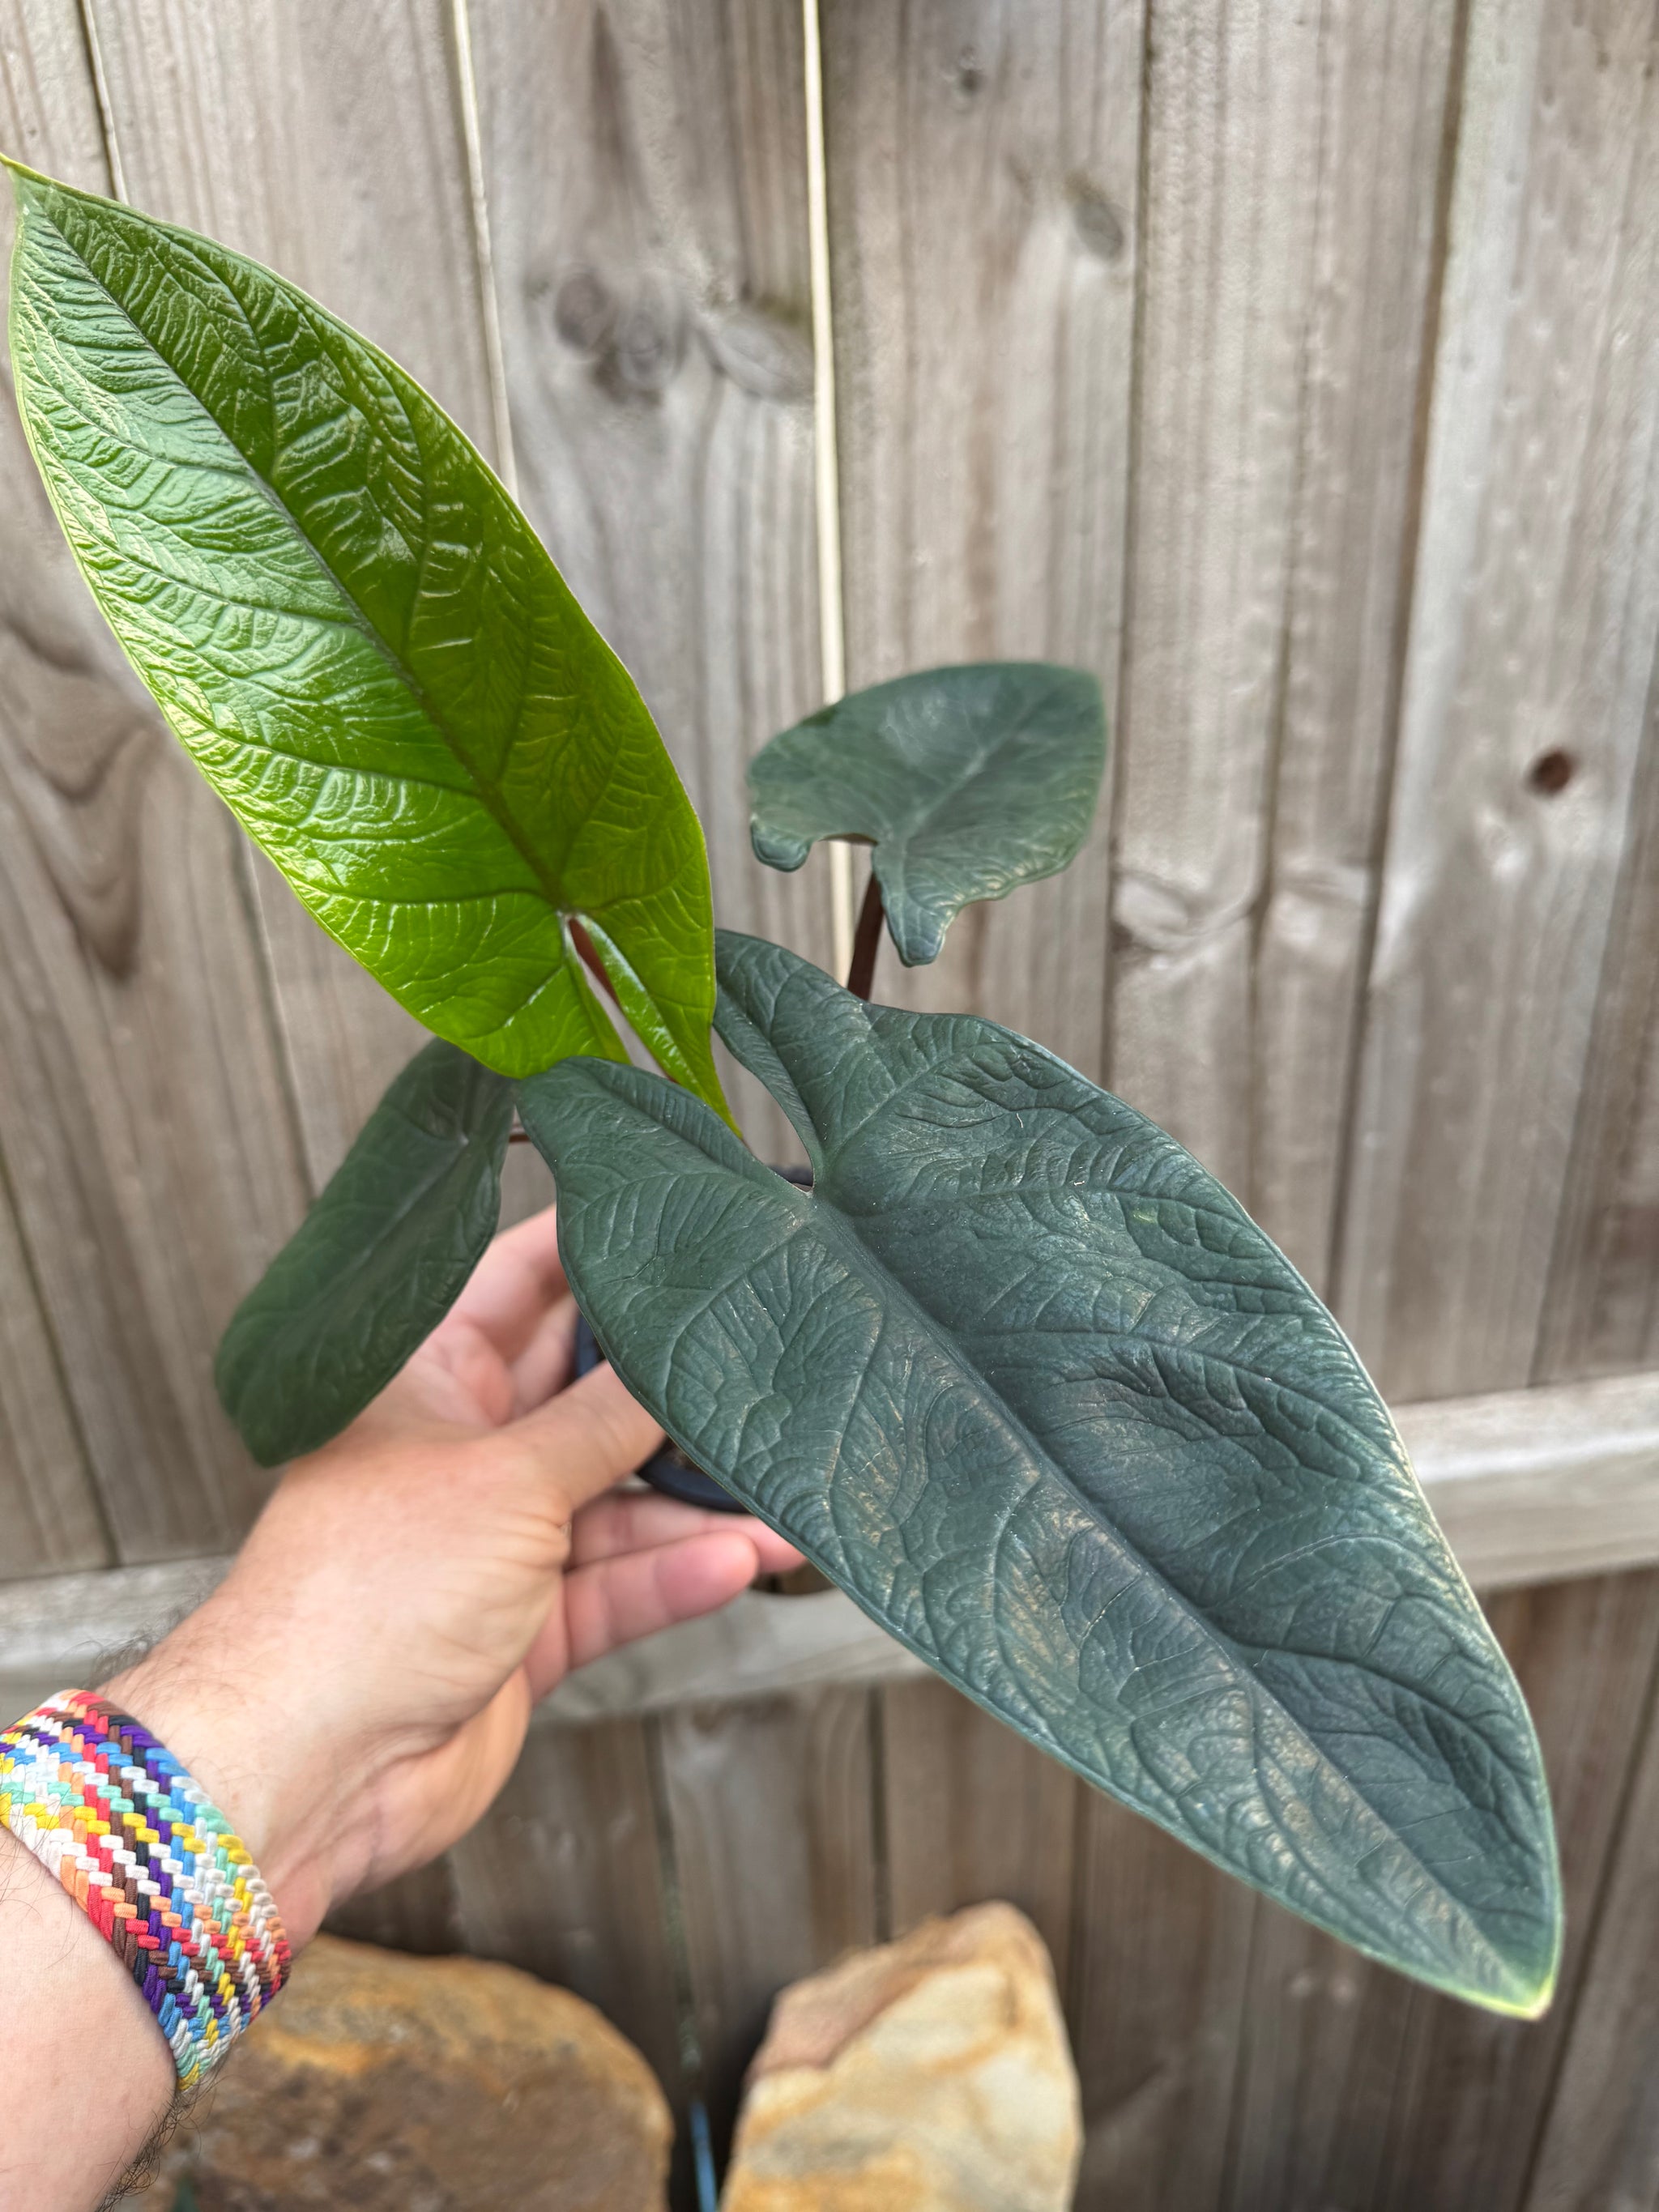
(355, 1693)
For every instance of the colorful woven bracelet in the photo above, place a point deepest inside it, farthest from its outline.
(91, 1793)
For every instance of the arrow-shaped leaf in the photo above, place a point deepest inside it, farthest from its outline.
(361, 640)
(378, 1262)
(1023, 1378)
(969, 782)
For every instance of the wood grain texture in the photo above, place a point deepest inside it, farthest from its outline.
(562, 1877)
(1600, 2146)
(1467, 2109)
(1384, 75)
(1159, 1952)
(50, 1517)
(416, 1913)
(644, 164)
(1602, 1309)
(970, 1812)
(49, 1512)
(352, 183)
(1234, 133)
(1292, 157)
(758, 1646)
(1356, 2087)
(1536, 1485)
(1532, 645)
(149, 1151)
(983, 192)
(772, 1812)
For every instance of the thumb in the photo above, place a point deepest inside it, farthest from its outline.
(584, 1438)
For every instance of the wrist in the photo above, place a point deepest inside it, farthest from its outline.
(245, 1745)
(73, 2124)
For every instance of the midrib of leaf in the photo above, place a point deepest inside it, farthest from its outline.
(956, 782)
(487, 789)
(826, 1217)
(899, 841)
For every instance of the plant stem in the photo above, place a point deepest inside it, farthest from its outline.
(866, 941)
(584, 944)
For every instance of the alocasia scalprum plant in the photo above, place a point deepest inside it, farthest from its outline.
(1015, 1371)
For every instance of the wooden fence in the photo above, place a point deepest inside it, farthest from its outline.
(1294, 365)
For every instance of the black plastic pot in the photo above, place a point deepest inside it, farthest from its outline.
(669, 1470)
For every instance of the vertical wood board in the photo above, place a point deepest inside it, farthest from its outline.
(1601, 1312)
(1235, 128)
(644, 165)
(143, 1201)
(971, 1812)
(562, 1877)
(328, 143)
(1357, 2088)
(1532, 643)
(773, 1824)
(1160, 1949)
(983, 195)
(1384, 78)
(49, 1511)
(1600, 2146)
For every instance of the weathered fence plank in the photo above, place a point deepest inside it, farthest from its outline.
(1534, 625)
(1600, 2149)
(144, 1203)
(1160, 1949)
(970, 1811)
(1602, 1310)
(1384, 77)
(352, 181)
(1357, 2087)
(49, 1509)
(773, 1848)
(645, 170)
(562, 1877)
(983, 200)
(1233, 167)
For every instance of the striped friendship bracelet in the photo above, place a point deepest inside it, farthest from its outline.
(113, 1815)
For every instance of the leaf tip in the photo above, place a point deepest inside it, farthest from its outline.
(776, 848)
(1527, 1989)
(25, 181)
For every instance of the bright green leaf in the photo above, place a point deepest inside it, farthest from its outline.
(378, 1262)
(968, 781)
(361, 640)
(1023, 1379)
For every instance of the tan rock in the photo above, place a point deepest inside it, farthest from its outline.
(393, 2084)
(930, 2076)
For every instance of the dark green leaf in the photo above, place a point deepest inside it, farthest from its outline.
(361, 643)
(968, 781)
(1023, 1379)
(378, 1262)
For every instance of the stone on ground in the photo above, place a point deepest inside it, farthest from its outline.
(932, 2074)
(394, 2084)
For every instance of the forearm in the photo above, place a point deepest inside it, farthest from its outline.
(87, 2074)
(87, 2071)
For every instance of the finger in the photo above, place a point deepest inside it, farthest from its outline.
(582, 1441)
(617, 1601)
(513, 1286)
(638, 1520)
(547, 1359)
